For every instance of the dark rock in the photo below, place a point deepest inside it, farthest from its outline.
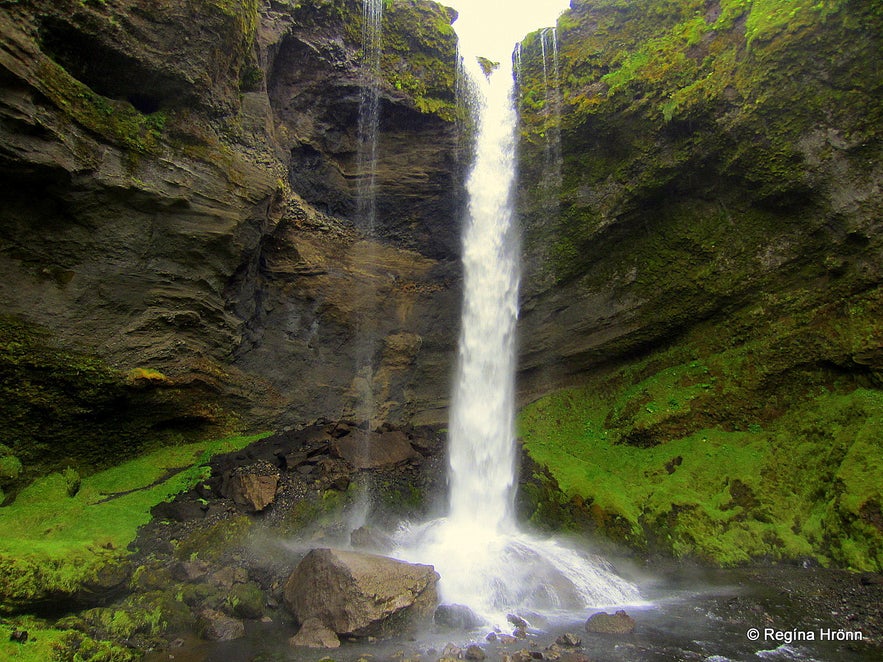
(604, 623)
(216, 626)
(253, 487)
(19, 636)
(179, 510)
(373, 450)
(314, 634)
(516, 620)
(457, 617)
(568, 639)
(356, 594)
(474, 652)
(190, 571)
(871, 579)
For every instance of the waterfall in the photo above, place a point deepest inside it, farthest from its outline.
(484, 561)
(552, 163)
(481, 432)
(366, 203)
(369, 115)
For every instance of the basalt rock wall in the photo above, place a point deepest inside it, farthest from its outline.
(177, 216)
(708, 274)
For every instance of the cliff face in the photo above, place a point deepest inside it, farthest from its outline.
(177, 215)
(709, 272)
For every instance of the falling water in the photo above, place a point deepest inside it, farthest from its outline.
(551, 180)
(483, 559)
(369, 114)
(366, 202)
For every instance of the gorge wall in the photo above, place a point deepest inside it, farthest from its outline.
(179, 253)
(709, 277)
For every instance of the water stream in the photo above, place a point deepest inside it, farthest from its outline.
(484, 561)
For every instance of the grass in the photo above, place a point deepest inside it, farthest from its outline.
(63, 532)
(806, 485)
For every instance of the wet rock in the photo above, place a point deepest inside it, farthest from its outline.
(253, 487)
(314, 634)
(568, 639)
(227, 576)
(179, 510)
(475, 652)
(516, 620)
(190, 571)
(604, 623)
(216, 626)
(457, 617)
(355, 593)
(453, 652)
(372, 450)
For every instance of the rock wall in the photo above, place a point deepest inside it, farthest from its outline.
(709, 275)
(162, 216)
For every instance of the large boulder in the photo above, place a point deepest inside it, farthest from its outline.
(253, 487)
(604, 623)
(358, 594)
(373, 450)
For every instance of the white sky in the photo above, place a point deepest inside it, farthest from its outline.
(498, 24)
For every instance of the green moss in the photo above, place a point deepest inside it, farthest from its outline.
(796, 486)
(419, 55)
(54, 542)
(45, 643)
(62, 408)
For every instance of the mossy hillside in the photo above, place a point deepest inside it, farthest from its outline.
(65, 534)
(419, 55)
(61, 407)
(724, 456)
(671, 95)
(418, 47)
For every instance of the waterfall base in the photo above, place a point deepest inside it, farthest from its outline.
(497, 573)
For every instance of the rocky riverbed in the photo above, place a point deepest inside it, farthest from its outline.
(218, 559)
(693, 614)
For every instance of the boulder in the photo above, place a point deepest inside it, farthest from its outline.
(253, 487)
(457, 617)
(604, 623)
(314, 634)
(475, 652)
(216, 626)
(359, 594)
(373, 450)
(569, 640)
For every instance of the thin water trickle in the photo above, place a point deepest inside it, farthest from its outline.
(369, 114)
(364, 401)
(552, 165)
(484, 561)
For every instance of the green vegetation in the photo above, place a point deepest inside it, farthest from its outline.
(117, 121)
(60, 407)
(653, 89)
(419, 56)
(679, 457)
(58, 541)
